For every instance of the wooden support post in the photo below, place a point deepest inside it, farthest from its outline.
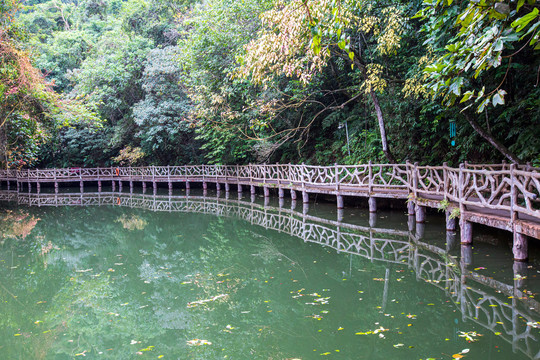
(55, 187)
(131, 186)
(420, 213)
(305, 197)
(120, 185)
(520, 247)
(266, 201)
(372, 219)
(340, 214)
(281, 202)
(29, 186)
(266, 191)
(18, 186)
(218, 187)
(372, 204)
(188, 186)
(8, 184)
(252, 198)
(305, 208)
(410, 223)
(99, 186)
(38, 185)
(339, 200)
(143, 187)
(227, 187)
(451, 223)
(252, 190)
(113, 184)
(81, 186)
(239, 188)
(281, 193)
(466, 232)
(293, 195)
(154, 186)
(205, 185)
(410, 207)
(170, 186)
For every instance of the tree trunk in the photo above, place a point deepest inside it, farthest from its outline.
(382, 130)
(490, 139)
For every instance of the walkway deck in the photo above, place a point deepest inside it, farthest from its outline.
(502, 196)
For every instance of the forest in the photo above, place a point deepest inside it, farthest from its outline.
(170, 82)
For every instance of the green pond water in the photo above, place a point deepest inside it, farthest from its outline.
(159, 277)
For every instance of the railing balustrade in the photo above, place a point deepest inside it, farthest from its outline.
(505, 187)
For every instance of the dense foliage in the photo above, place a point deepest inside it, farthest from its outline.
(320, 81)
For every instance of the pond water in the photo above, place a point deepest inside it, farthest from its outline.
(160, 277)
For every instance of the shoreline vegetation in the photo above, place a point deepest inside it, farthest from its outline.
(101, 83)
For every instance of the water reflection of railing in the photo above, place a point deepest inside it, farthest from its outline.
(485, 304)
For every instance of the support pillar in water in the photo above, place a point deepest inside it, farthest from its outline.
(372, 204)
(99, 186)
(113, 184)
(339, 200)
(55, 187)
(144, 187)
(293, 195)
(372, 219)
(281, 193)
(131, 186)
(205, 185)
(410, 207)
(520, 247)
(38, 186)
(188, 186)
(420, 213)
(239, 188)
(252, 190)
(450, 222)
(227, 187)
(466, 232)
(305, 197)
(154, 185)
(266, 192)
(218, 187)
(120, 185)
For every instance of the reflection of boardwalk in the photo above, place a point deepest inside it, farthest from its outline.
(479, 299)
(501, 196)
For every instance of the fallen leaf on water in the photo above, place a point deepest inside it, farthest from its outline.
(457, 356)
(198, 342)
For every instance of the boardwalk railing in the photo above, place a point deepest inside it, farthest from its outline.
(514, 189)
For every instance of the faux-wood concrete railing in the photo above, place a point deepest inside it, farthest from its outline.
(511, 190)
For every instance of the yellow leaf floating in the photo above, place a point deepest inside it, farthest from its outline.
(457, 356)
(198, 342)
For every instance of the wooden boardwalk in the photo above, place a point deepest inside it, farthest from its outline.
(502, 196)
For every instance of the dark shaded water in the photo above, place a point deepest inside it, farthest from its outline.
(165, 277)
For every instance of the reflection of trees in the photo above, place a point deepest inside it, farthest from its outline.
(16, 224)
(175, 260)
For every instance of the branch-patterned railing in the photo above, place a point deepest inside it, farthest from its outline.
(514, 189)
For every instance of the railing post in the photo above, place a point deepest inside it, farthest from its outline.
(445, 180)
(415, 180)
(370, 177)
(336, 177)
(513, 196)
